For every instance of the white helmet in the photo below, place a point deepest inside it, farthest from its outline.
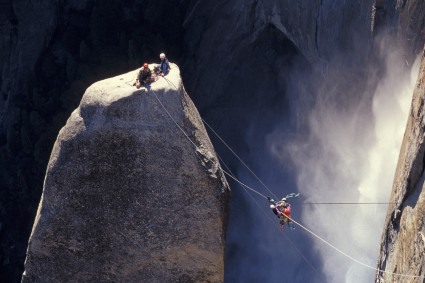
(162, 55)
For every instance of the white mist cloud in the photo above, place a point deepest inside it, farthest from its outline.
(350, 155)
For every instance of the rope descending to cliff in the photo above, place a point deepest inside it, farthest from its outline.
(352, 258)
(342, 203)
(190, 140)
(291, 219)
(260, 207)
(231, 175)
(228, 147)
(332, 246)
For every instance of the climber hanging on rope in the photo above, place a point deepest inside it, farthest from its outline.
(282, 209)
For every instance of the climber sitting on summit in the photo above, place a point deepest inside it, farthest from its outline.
(144, 76)
(164, 67)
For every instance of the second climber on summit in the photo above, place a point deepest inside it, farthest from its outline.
(164, 66)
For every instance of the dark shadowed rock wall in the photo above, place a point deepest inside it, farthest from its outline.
(248, 63)
(25, 133)
(51, 51)
(239, 61)
(405, 21)
(261, 64)
(127, 196)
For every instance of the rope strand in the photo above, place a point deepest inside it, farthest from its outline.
(341, 203)
(350, 257)
(275, 224)
(291, 219)
(228, 147)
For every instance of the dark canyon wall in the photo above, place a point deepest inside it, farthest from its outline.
(51, 51)
(241, 62)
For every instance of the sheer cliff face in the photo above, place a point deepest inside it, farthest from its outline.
(127, 196)
(266, 42)
(240, 61)
(51, 51)
(403, 240)
(405, 21)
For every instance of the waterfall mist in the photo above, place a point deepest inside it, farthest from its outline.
(349, 155)
(336, 140)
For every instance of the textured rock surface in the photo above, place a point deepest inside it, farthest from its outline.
(405, 19)
(403, 241)
(317, 28)
(53, 50)
(267, 36)
(127, 197)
